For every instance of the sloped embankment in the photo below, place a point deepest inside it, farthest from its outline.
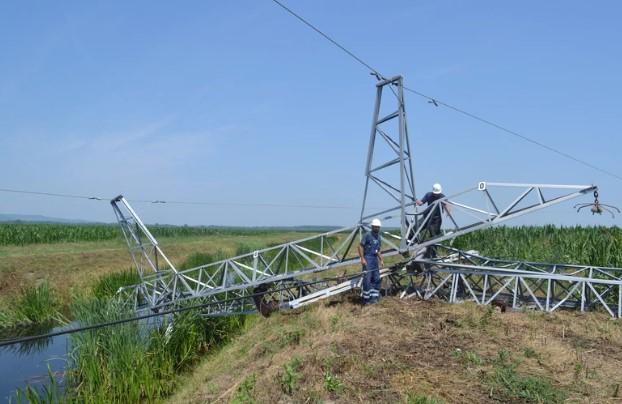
(412, 351)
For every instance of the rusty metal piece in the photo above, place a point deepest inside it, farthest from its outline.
(596, 207)
(263, 301)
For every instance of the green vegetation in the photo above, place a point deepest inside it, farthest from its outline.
(36, 233)
(332, 384)
(100, 361)
(36, 305)
(516, 386)
(143, 362)
(600, 246)
(244, 392)
(467, 358)
(290, 376)
(413, 398)
(137, 361)
(108, 285)
(501, 375)
(49, 393)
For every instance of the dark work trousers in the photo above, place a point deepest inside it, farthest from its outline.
(371, 280)
(434, 228)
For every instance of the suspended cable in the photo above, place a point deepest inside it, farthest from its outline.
(175, 202)
(20, 191)
(435, 101)
(328, 38)
(438, 102)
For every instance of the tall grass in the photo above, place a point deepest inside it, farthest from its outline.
(600, 246)
(47, 393)
(35, 305)
(108, 285)
(136, 361)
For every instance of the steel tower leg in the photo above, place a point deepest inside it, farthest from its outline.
(379, 172)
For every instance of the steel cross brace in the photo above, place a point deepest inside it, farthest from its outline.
(300, 260)
(537, 285)
(316, 266)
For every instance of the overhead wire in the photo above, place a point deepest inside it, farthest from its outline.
(438, 102)
(176, 202)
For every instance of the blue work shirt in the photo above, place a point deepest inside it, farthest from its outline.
(429, 198)
(371, 244)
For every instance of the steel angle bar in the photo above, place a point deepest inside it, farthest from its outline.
(504, 286)
(599, 297)
(534, 298)
(389, 189)
(306, 257)
(516, 202)
(547, 267)
(475, 269)
(468, 285)
(319, 254)
(429, 294)
(568, 295)
(392, 143)
(606, 272)
(527, 185)
(470, 208)
(515, 282)
(387, 164)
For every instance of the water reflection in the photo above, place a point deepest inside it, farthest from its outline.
(27, 348)
(27, 363)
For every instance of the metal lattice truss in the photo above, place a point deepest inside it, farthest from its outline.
(292, 265)
(300, 272)
(515, 284)
(389, 133)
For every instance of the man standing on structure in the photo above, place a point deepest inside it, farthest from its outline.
(433, 213)
(371, 257)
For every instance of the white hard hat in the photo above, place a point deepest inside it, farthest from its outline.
(437, 189)
(376, 222)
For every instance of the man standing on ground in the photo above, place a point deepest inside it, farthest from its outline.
(371, 257)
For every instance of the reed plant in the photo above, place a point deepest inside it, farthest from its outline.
(34, 305)
(599, 246)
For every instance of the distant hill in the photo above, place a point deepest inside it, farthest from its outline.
(12, 218)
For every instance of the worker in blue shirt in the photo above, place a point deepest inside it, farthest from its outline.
(434, 222)
(371, 257)
(433, 225)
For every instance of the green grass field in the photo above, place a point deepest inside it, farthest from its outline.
(75, 275)
(22, 234)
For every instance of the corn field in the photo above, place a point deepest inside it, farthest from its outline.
(21, 234)
(599, 246)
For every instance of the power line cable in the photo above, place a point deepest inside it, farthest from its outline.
(328, 38)
(175, 202)
(40, 193)
(438, 102)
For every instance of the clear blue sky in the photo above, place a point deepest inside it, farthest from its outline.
(238, 102)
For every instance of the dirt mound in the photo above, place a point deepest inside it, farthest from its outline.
(412, 351)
